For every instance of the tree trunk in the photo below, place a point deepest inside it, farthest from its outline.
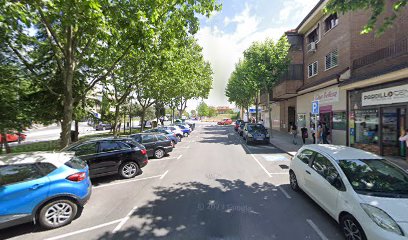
(124, 123)
(172, 117)
(269, 114)
(256, 107)
(115, 124)
(4, 141)
(248, 114)
(142, 119)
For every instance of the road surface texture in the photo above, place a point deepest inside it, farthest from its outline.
(212, 186)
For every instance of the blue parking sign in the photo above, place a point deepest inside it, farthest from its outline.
(315, 107)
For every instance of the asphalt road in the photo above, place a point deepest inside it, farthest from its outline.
(212, 187)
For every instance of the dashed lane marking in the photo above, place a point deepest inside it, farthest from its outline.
(164, 174)
(124, 220)
(266, 171)
(317, 230)
(284, 192)
(128, 181)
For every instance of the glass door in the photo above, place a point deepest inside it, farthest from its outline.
(402, 119)
(390, 132)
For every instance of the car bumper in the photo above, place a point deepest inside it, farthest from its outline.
(85, 199)
(168, 149)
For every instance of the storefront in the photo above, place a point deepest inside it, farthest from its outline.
(377, 117)
(332, 111)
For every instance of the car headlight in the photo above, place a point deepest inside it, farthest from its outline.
(249, 135)
(381, 218)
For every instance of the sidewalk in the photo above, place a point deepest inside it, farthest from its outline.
(283, 141)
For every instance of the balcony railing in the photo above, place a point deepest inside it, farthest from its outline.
(396, 49)
(295, 72)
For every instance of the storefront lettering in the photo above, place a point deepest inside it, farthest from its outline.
(328, 96)
(386, 96)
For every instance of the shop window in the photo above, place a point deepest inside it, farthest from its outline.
(332, 60)
(366, 126)
(312, 69)
(339, 120)
(331, 22)
(301, 121)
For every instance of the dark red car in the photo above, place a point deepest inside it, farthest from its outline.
(237, 123)
(13, 137)
(225, 121)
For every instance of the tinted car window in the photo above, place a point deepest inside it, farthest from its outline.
(161, 137)
(85, 149)
(323, 166)
(305, 156)
(107, 146)
(137, 138)
(76, 163)
(148, 138)
(18, 173)
(46, 168)
(123, 145)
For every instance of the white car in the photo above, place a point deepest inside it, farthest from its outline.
(365, 194)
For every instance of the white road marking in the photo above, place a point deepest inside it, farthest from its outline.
(85, 230)
(266, 171)
(162, 159)
(317, 230)
(280, 173)
(284, 192)
(164, 174)
(182, 147)
(179, 157)
(123, 182)
(124, 220)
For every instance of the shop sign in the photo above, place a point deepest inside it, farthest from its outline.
(327, 96)
(390, 95)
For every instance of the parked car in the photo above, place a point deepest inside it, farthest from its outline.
(191, 125)
(174, 129)
(237, 123)
(157, 145)
(103, 127)
(13, 137)
(241, 128)
(185, 129)
(225, 121)
(109, 156)
(255, 133)
(172, 136)
(33, 186)
(365, 194)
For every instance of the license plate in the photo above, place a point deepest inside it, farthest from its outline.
(259, 138)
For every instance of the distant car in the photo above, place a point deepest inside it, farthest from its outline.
(103, 127)
(157, 145)
(177, 121)
(365, 194)
(225, 121)
(172, 136)
(185, 128)
(13, 137)
(255, 133)
(44, 187)
(237, 123)
(109, 156)
(174, 129)
(241, 128)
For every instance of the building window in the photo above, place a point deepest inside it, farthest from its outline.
(331, 22)
(331, 60)
(312, 70)
(313, 35)
(339, 121)
(366, 126)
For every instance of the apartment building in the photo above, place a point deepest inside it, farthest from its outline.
(361, 81)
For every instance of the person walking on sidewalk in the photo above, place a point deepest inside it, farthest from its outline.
(319, 133)
(325, 133)
(313, 132)
(404, 138)
(304, 133)
(294, 133)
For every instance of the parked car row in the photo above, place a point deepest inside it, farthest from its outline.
(14, 137)
(252, 132)
(225, 121)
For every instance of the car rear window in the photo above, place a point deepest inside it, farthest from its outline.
(11, 174)
(162, 138)
(76, 163)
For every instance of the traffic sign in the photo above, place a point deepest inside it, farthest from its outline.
(315, 107)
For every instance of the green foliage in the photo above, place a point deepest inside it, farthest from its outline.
(212, 112)
(376, 7)
(202, 109)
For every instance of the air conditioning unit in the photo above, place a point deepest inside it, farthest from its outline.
(311, 47)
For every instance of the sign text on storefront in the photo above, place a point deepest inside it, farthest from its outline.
(390, 95)
(327, 96)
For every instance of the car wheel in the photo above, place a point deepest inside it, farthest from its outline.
(185, 134)
(179, 138)
(57, 213)
(173, 143)
(293, 181)
(159, 153)
(128, 170)
(351, 228)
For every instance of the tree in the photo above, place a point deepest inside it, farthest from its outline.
(212, 111)
(377, 8)
(202, 109)
(90, 38)
(268, 61)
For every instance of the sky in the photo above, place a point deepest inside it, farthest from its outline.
(226, 34)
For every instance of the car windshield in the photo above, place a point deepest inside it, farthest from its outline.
(375, 176)
(256, 128)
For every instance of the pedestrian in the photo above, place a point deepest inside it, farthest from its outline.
(294, 133)
(325, 133)
(319, 133)
(404, 138)
(305, 135)
(313, 131)
(261, 122)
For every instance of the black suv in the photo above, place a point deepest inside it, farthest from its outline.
(156, 144)
(110, 156)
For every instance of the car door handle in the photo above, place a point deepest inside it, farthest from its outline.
(308, 172)
(36, 186)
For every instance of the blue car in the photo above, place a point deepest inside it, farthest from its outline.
(172, 136)
(45, 187)
(185, 129)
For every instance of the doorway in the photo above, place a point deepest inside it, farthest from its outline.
(291, 116)
(392, 125)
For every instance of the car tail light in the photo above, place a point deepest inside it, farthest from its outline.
(77, 177)
(143, 151)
